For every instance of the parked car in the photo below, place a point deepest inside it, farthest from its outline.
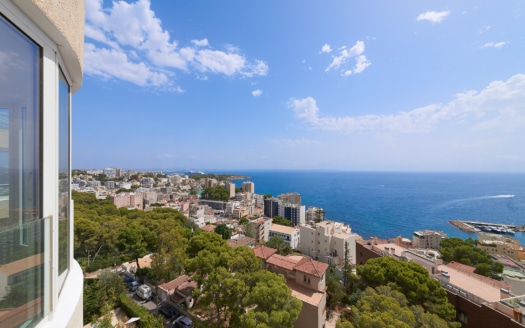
(132, 286)
(168, 311)
(183, 322)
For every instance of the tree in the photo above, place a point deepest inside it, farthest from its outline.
(136, 241)
(223, 230)
(466, 252)
(410, 279)
(281, 247)
(216, 193)
(282, 221)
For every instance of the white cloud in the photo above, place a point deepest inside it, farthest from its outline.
(340, 61)
(499, 106)
(433, 16)
(496, 45)
(326, 48)
(133, 32)
(257, 93)
(200, 43)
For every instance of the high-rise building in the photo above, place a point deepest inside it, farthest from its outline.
(41, 46)
(248, 186)
(291, 198)
(271, 207)
(230, 186)
(293, 212)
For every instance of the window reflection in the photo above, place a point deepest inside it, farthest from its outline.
(21, 227)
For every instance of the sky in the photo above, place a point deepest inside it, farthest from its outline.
(292, 84)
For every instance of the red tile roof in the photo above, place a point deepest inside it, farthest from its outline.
(264, 252)
(285, 262)
(312, 267)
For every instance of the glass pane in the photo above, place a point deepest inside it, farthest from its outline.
(22, 237)
(63, 175)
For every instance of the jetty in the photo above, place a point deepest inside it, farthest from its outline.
(475, 226)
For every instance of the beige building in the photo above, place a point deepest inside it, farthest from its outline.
(307, 280)
(289, 235)
(248, 186)
(291, 197)
(230, 186)
(261, 229)
(240, 212)
(495, 244)
(427, 239)
(128, 200)
(326, 241)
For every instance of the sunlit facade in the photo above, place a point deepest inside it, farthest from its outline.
(41, 45)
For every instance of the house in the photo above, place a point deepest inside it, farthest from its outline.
(307, 280)
(178, 291)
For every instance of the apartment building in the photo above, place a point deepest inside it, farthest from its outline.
(41, 45)
(314, 214)
(295, 213)
(128, 200)
(230, 186)
(495, 244)
(261, 229)
(248, 186)
(290, 235)
(291, 198)
(328, 241)
(428, 239)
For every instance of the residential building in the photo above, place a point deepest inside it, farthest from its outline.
(240, 212)
(314, 214)
(428, 239)
(495, 244)
(271, 207)
(147, 182)
(178, 291)
(41, 46)
(290, 235)
(128, 200)
(307, 280)
(110, 172)
(230, 186)
(261, 229)
(248, 186)
(241, 241)
(328, 241)
(110, 184)
(291, 198)
(295, 213)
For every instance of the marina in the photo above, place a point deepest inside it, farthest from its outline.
(474, 227)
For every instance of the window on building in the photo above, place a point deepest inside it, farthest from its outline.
(22, 236)
(63, 174)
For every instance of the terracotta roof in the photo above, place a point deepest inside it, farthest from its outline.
(285, 262)
(312, 267)
(175, 283)
(263, 252)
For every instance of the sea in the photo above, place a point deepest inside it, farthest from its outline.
(387, 205)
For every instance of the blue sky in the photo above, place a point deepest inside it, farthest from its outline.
(290, 84)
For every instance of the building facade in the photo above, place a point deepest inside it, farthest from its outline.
(329, 241)
(248, 186)
(289, 235)
(427, 239)
(41, 46)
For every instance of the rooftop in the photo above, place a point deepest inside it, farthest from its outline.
(305, 294)
(263, 252)
(283, 229)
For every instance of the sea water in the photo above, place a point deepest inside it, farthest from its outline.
(388, 205)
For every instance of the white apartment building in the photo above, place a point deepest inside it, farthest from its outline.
(289, 235)
(41, 50)
(427, 239)
(314, 213)
(326, 241)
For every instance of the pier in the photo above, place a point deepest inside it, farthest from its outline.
(474, 227)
